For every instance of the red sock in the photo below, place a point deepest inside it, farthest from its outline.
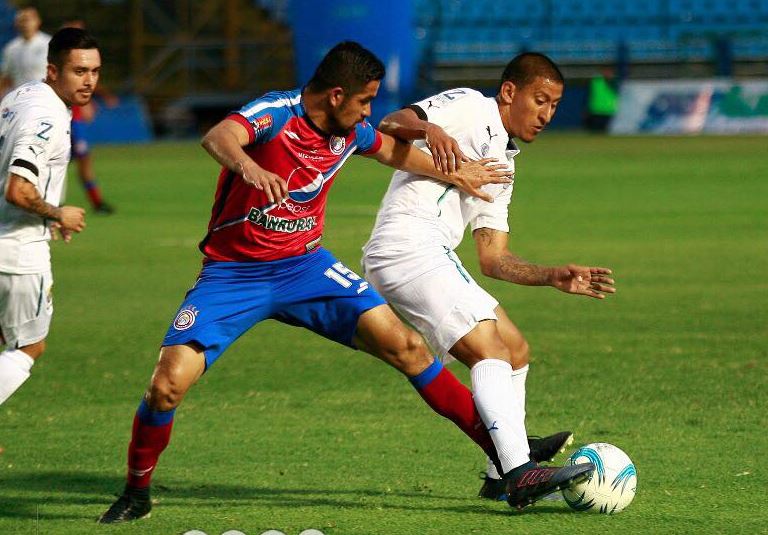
(93, 191)
(449, 398)
(151, 435)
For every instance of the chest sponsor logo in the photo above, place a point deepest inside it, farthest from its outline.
(311, 157)
(281, 224)
(337, 144)
(304, 184)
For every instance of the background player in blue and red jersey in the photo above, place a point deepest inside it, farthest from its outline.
(81, 154)
(263, 258)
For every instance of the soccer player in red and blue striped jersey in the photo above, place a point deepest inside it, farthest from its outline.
(264, 259)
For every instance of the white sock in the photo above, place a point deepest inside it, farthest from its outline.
(14, 370)
(499, 410)
(518, 387)
(492, 471)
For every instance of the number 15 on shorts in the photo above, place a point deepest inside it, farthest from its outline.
(345, 277)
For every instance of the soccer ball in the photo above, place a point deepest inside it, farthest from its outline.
(612, 485)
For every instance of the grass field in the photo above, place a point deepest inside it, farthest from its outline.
(290, 431)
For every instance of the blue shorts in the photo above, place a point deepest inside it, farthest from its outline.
(314, 291)
(80, 146)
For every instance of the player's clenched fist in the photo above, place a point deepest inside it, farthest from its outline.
(71, 218)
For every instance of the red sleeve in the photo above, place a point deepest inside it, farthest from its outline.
(244, 122)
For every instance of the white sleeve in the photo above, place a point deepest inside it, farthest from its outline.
(447, 109)
(493, 215)
(32, 148)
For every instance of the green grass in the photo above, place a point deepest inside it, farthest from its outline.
(290, 431)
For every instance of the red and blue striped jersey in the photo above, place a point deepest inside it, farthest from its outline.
(244, 225)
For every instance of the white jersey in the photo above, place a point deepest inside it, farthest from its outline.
(26, 61)
(418, 211)
(35, 145)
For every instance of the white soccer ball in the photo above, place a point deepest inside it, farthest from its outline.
(612, 485)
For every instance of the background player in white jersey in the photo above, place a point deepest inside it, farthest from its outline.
(34, 129)
(25, 56)
(410, 257)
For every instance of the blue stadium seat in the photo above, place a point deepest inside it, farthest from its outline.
(591, 30)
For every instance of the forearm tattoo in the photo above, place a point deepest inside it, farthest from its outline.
(506, 266)
(513, 269)
(33, 202)
(483, 236)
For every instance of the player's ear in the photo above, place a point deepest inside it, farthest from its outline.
(52, 72)
(336, 96)
(507, 92)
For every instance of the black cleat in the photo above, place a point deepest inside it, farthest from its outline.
(530, 482)
(542, 449)
(492, 489)
(104, 208)
(129, 506)
(545, 448)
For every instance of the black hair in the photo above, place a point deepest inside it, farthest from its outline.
(526, 67)
(68, 39)
(347, 65)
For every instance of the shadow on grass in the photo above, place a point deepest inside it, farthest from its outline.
(34, 494)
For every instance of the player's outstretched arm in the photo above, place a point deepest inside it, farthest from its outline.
(23, 194)
(497, 261)
(225, 142)
(470, 178)
(406, 125)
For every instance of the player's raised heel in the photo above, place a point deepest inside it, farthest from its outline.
(530, 482)
(129, 506)
(545, 448)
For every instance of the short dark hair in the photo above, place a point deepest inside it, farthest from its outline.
(347, 65)
(526, 67)
(68, 39)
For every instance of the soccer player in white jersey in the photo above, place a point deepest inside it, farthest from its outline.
(24, 57)
(410, 259)
(34, 132)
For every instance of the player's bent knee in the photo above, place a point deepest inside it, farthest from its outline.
(34, 350)
(409, 353)
(520, 354)
(164, 394)
(169, 385)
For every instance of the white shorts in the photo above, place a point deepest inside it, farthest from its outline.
(433, 292)
(26, 308)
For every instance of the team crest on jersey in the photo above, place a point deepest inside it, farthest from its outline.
(305, 183)
(484, 148)
(262, 123)
(337, 144)
(185, 318)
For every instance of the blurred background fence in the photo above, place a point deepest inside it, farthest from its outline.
(675, 66)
